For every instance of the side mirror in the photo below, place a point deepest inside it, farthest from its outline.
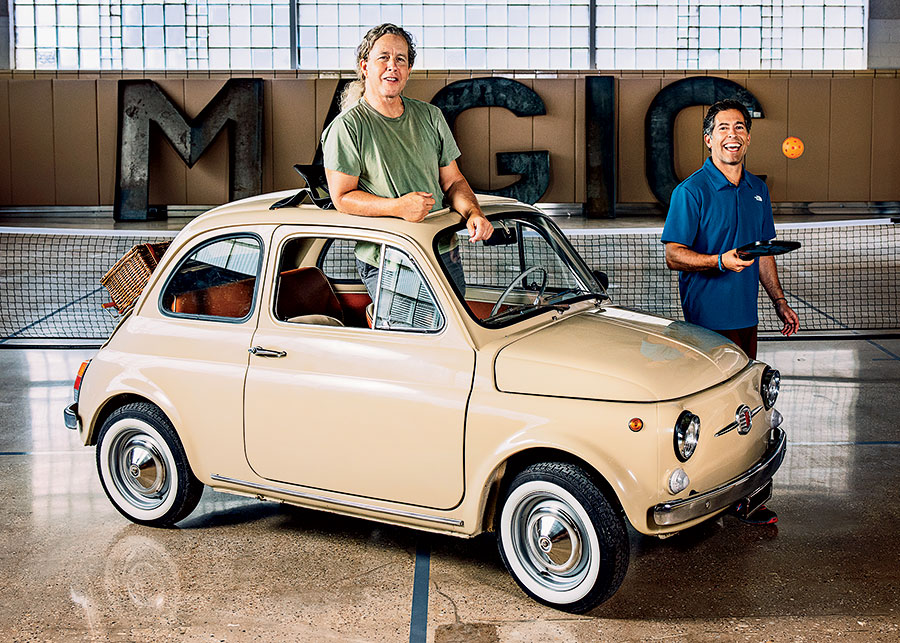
(502, 237)
(601, 278)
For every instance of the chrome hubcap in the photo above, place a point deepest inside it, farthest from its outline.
(549, 538)
(139, 469)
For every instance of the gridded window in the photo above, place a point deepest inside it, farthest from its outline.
(450, 34)
(739, 34)
(160, 34)
(339, 261)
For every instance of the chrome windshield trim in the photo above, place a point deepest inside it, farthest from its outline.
(734, 425)
(702, 504)
(341, 503)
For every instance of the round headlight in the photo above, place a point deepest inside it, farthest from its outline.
(687, 434)
(771, 384)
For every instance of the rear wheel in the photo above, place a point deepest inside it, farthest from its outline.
(143, 467)
(561, 539)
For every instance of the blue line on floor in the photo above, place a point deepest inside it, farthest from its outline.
(2, 453)
(46, 317)
(821, 312)
(841, 443)
(418, 623)
(843, 326)
(885, 351)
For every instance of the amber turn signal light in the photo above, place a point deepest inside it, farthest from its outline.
(636, 424)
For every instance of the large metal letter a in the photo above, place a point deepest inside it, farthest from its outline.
(238, 105)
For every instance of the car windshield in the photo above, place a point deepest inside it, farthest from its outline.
(527, 267)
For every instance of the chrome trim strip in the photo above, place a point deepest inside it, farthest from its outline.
(734, 425)
(342, 503)
(702, 504)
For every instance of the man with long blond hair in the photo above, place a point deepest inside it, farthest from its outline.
(389, 155)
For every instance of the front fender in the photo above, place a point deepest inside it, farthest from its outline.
(597, 433)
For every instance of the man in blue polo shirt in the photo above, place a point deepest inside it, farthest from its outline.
(717, 209)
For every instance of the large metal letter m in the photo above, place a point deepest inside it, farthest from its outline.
(238, 105)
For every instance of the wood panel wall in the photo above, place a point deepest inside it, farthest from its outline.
(58, 136)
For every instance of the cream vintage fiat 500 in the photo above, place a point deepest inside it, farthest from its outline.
(490, 386)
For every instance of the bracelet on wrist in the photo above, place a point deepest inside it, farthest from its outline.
(777, 299)
(721, 268)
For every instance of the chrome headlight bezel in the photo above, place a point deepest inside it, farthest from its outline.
(687, 435)
(770, 386)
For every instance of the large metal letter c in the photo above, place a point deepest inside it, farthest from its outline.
(659, 126)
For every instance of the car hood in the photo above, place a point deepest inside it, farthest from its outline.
(617, 354)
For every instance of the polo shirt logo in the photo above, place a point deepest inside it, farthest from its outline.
(758, 198)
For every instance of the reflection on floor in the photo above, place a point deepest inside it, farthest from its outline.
(242, 570)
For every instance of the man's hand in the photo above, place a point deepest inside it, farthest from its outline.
(479, 227)
(788, 316)
(413, 206)
(768, 277)
(732, 261)
(460, 197)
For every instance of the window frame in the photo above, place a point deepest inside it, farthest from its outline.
(543, 226)
(193, 251)
(329, 238)
(428, 287)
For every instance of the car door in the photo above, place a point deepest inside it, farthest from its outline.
(374, 412)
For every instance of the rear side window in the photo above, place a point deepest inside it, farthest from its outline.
(218, 279)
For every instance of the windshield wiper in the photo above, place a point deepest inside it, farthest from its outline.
(548, 304)
(580, 295)
(525, 309)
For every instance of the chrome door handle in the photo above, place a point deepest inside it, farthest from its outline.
(265, 352)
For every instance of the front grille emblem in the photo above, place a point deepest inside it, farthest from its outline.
(744, 419)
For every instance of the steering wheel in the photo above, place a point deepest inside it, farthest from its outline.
(512, 284)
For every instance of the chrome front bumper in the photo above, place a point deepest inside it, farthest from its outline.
(744, 485)
(70, 415)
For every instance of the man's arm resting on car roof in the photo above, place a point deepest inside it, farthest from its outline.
(347, 197)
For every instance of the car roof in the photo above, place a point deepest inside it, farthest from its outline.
(255, 211)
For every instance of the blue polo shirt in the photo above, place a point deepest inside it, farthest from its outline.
(710, 215)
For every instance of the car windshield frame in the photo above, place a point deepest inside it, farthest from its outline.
(556, 240)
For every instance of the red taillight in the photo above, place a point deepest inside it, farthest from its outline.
(79, 377)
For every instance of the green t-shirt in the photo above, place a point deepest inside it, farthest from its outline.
(391, 156)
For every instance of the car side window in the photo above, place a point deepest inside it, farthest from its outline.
(404, 300)
(218, 279)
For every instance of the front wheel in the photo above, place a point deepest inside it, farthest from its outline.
(143, 467)
(561, 539)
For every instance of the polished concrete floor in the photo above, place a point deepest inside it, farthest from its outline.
(240, 570)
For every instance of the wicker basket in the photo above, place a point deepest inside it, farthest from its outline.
(127, 278)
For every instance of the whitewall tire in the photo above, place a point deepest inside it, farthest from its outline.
(143, 467)
(561, 539)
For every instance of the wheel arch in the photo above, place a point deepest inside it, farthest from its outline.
(521, 460)
(109, 407)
